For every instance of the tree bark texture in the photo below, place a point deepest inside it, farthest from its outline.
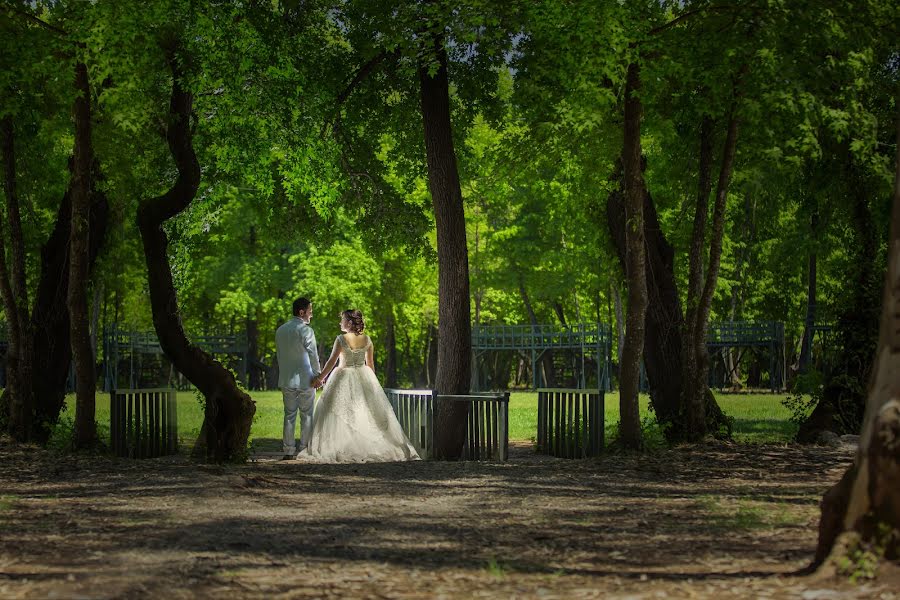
(50, 315)
(229, 411)
(664, 321)
(255, 374)
(692, 406)
(635, 265)
(455, 346)
(15, 299)
(867, 500)
(695, 390)
(79, 242)
(390, 351)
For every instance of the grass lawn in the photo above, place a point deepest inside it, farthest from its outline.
(758, 418)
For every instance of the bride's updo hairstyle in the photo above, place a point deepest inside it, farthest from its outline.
(357, 325)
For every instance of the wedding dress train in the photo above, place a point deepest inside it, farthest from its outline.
(353, 420)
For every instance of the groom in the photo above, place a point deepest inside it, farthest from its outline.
(298, 365)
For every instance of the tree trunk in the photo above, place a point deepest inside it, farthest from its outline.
(695, 390)
(390, 350)
(50, 315)
(229, 411)
(664, 324)
(620, 321)
(547, 370)
(15, 300)
(254, 372)
(455, 348)
(635, 265)
(95, 310)
(79, 242)
(842, 405)
(868, 497)
(810, 321)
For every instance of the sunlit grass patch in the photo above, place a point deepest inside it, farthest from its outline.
(758, 418)
(722, 513)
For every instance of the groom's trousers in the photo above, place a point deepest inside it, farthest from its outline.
(302, 401)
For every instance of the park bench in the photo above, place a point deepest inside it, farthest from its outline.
(570, 422)
(143, 423)
(487, 430)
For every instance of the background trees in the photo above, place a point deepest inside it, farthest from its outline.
(760, 138)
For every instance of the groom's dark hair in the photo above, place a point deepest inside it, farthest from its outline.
(301, 304)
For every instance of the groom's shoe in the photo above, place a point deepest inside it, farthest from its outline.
(288, 457)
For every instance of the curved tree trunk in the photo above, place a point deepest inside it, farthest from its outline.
(868, 496)
(455, 347)
(79, 242)
(229, 411)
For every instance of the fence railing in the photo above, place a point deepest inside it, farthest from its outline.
(525, 337)
(570, 422)
(749, 333)
(143, 422)
(487, 429)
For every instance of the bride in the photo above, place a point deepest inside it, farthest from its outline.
(354, 421)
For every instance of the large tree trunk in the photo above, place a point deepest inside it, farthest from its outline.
(664, 322)
(692, 413)
(79, 318)
(229, 411)
(50, 315)
(455, 348)
(635, 266)
(695, 389)
(15, 300)
(868, 496)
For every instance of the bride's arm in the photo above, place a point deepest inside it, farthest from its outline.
(370, 355)
(329, 364)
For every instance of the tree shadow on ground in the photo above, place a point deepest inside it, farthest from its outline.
(698, 513)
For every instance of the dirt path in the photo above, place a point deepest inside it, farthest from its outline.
(715, 521)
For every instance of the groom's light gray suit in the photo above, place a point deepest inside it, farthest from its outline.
(298, 364)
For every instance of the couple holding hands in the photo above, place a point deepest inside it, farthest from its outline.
(352, 420)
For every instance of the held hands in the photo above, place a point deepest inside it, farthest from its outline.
(318, 381)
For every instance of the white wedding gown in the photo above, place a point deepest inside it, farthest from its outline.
(353, 419)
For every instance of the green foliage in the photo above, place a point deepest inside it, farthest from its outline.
(805, 395)
(863, 556)
(314, 180)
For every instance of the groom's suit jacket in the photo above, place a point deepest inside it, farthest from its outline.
(298, 358)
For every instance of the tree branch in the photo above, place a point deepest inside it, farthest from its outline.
(691, 13)
(360, 75)
(40, 22)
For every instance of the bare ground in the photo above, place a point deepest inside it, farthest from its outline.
(716, 521)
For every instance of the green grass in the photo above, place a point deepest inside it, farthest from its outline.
(758, 417)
